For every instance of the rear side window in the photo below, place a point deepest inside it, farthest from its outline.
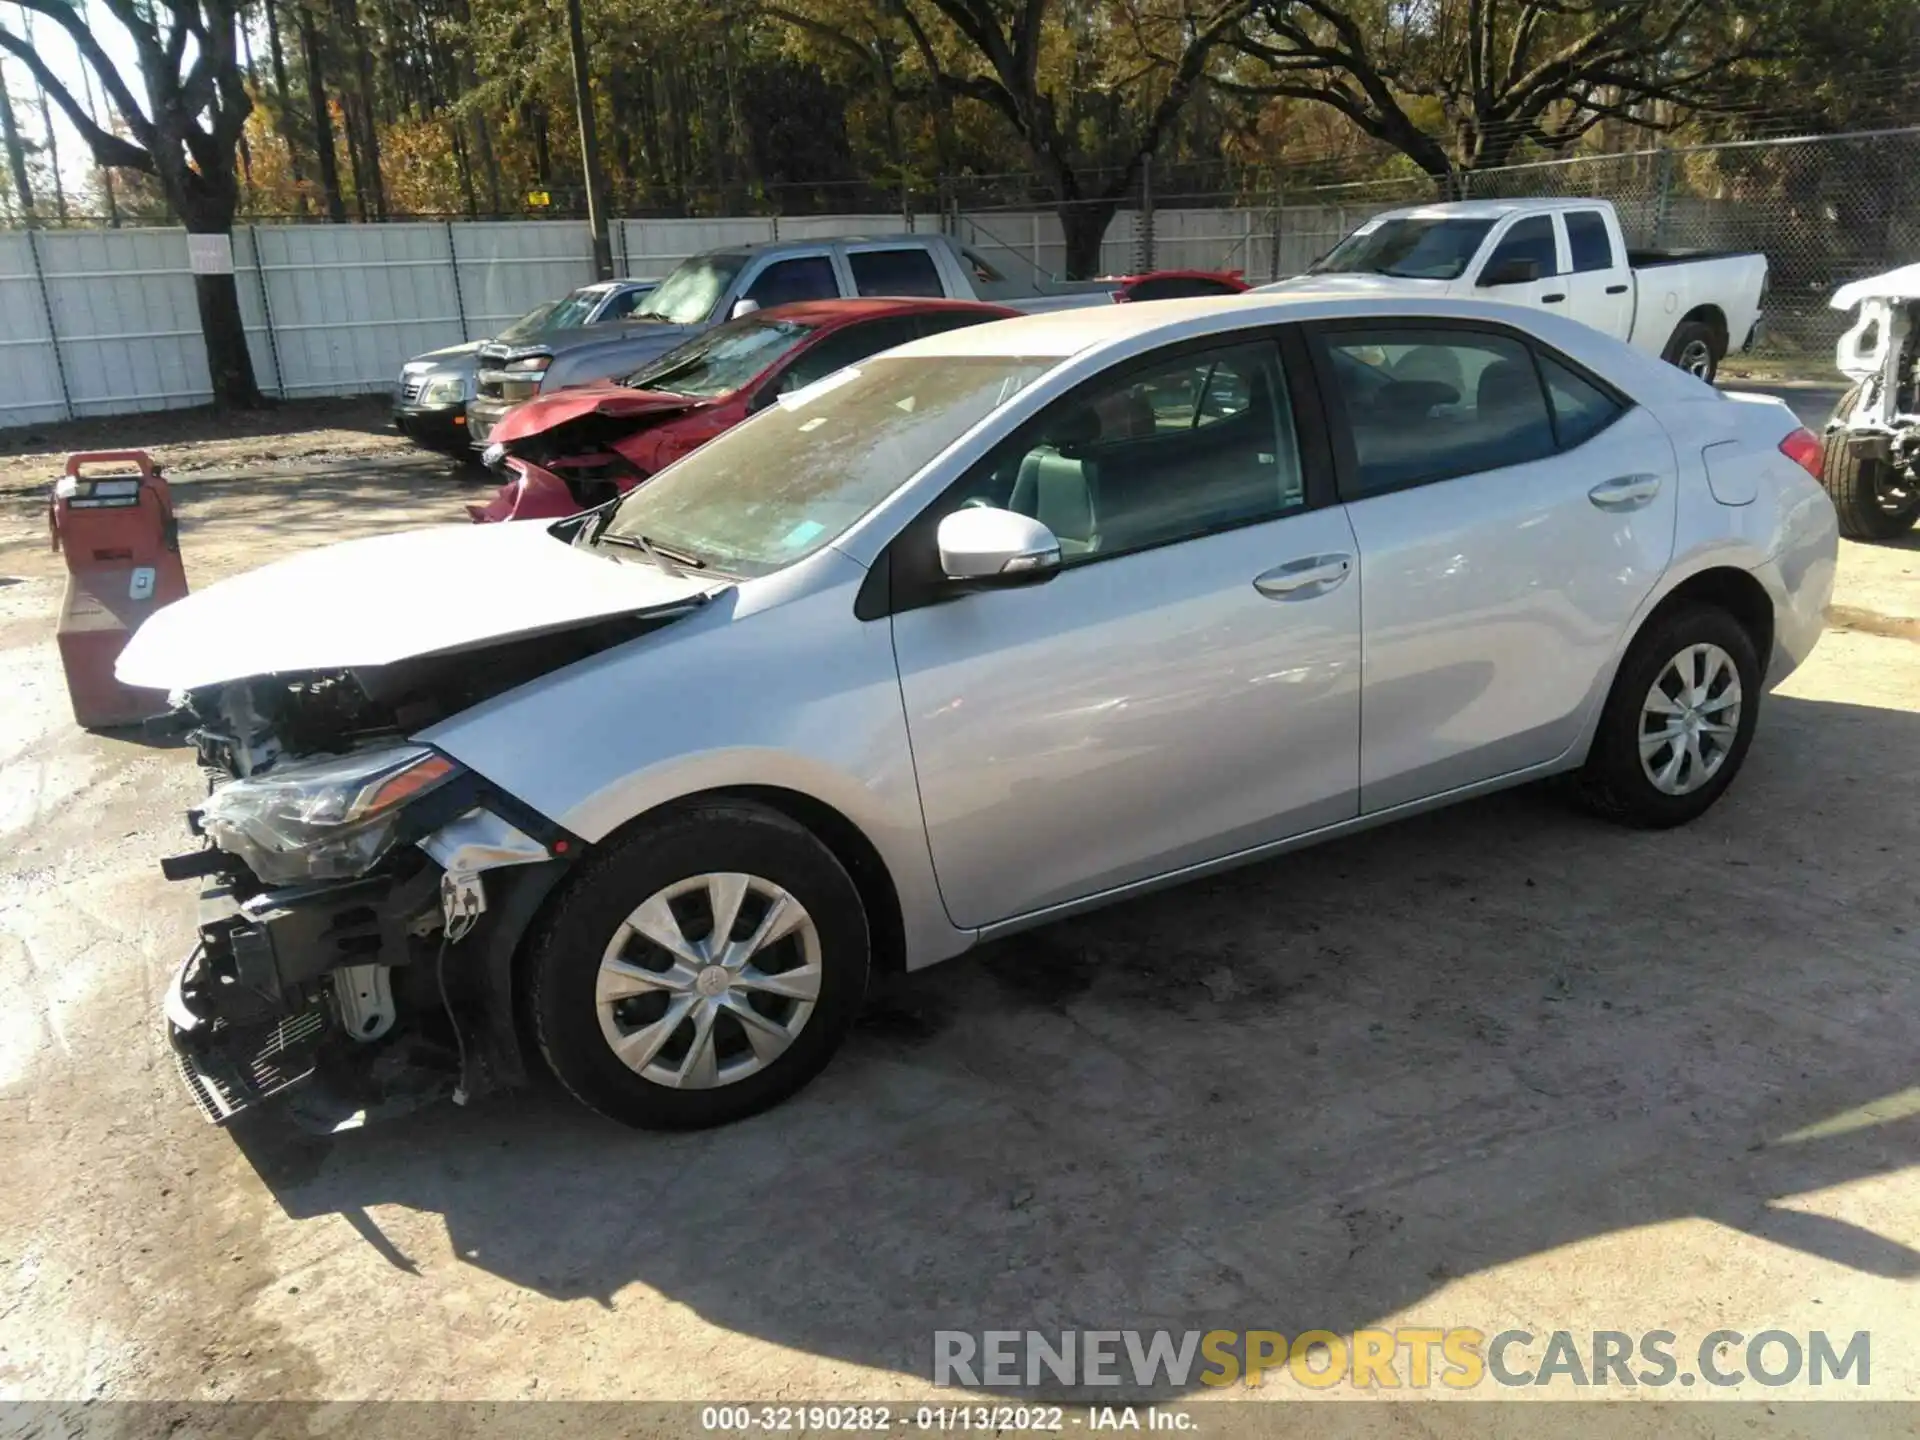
(805, 277)
(1530, 239)
(1429, 405)
(847, 346)
(1581, 410)
(895, 272)
(1590, 245)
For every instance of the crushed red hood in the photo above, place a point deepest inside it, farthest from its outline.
(545, 412)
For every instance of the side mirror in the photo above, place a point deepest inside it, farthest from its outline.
(986, 546)
(1510, 272)
(742, 308)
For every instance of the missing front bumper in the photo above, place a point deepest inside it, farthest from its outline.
(229, 1067)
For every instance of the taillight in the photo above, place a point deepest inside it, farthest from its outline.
(1803, 448)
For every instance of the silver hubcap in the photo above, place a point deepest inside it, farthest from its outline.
(1696, 358)
(709, 981)
(1689, 719)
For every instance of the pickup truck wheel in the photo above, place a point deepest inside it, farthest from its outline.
(1678, 721)
(703, 969)
(1696, 348)
(1874, 499)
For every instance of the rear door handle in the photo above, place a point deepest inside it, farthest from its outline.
(1616, 289)
(1551, 299)
(1625, 492)
(1305, 578)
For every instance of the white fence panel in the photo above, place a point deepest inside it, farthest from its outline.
(1213, 240)
(650, 248)
(29, 381)
(349, 303)
(508, 267)
(1032, 243)
(129, 326)
(815, 227)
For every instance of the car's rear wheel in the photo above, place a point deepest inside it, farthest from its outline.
(703, 969)
(1873, 499)
(1678, 722)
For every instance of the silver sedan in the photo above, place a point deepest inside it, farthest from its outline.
(1011, 622)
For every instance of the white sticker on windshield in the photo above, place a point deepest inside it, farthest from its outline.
(1369, 227)
(801, 534)
(807, 393)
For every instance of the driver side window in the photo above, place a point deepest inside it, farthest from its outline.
(1529, 239)
(1168, 451)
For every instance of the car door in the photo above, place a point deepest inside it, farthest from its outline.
(1184, 687)
(1511, 512)
(1530, 238)
(1598, 284)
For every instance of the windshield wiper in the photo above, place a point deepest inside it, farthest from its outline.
(670, 561)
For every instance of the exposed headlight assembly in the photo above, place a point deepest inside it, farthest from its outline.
(444, 390)
(323, 820)
(528, 364)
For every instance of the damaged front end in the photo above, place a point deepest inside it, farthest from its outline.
(1880, 353)
(363, 894)
(332, 890)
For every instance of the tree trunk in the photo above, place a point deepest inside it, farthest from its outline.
(53, 156)
(229, 362)
(326, 162)
(16, 155)
(289, 131)
(1084, 225)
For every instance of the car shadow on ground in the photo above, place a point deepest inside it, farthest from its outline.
(1307, 1094)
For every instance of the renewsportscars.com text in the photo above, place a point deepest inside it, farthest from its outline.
(1460, 1358)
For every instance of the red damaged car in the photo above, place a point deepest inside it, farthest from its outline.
(583, 445)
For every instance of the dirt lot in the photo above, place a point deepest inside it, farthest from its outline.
(1499, 1067)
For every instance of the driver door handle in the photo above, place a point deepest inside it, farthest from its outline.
(1305, 578)
(1624, 492)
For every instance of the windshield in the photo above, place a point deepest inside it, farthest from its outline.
(1409, 247)
(777, 488)
(567, 313)
(687, 296)
(722, 360)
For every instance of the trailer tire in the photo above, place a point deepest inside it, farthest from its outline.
(1858, 484)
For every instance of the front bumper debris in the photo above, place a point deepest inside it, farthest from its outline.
(277, 978)
(230, 1067)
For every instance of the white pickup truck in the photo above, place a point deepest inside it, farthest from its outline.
(1567, 256)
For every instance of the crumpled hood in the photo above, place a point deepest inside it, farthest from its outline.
(546, 412)
(389, 598)
(1901, 284)
(431, 358)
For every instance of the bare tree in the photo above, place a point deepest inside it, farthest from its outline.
(186, 136)
(1461, 85)
(1073, 122)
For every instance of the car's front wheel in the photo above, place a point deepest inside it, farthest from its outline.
(1678, 722)
(703, 969)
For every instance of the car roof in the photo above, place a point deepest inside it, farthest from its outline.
(1488, 209)
(843, 312)
(815, 242)
(1060, 334)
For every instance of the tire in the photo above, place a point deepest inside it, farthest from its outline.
(1854, 483)
(1614, 782)
(697, 852)
(1696, 347)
